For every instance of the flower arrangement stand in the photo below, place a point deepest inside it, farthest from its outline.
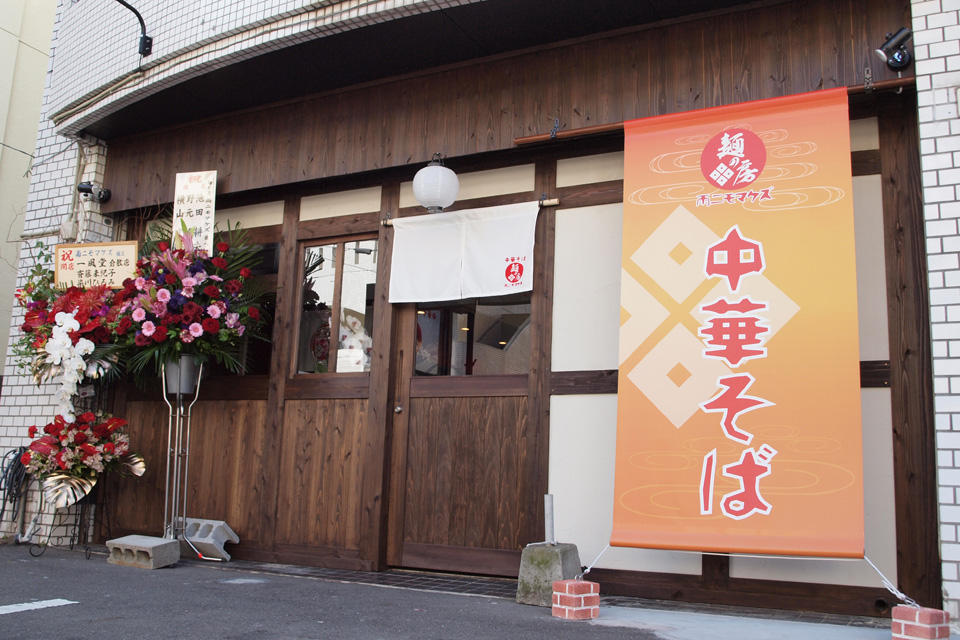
(180, 379)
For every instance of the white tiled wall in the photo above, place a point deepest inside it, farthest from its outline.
(99, 42)
(936, 43)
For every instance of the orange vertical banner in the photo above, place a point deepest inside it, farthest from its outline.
(738, 425)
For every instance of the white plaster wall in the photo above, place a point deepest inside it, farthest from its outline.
(25, 29)
(583, 440)
(586, 288)
(257, 215)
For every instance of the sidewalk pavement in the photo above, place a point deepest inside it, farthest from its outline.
(63, 594)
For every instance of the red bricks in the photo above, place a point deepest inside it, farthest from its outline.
(576, 599)
(913, 623)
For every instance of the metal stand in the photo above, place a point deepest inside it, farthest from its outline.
(178, 462)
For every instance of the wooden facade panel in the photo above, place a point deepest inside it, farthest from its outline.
(226, 453)
(464, 461)
(136, 504)
(761, 53)
(320, 455)
(224, 483)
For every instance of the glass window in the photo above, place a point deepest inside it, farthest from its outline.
(486, 336)
(339, 279)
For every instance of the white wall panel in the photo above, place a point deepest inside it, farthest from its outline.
(583, 437)
(586, 294)
(258, 215)
(342, 203)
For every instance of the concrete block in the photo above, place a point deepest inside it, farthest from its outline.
(208, 536)
(143, 552)
(540, 566)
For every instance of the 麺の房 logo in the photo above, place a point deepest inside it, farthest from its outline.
(733, 159)
(514, 272)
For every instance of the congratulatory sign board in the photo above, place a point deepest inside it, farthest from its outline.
(94, 263)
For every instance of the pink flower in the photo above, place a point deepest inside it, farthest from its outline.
(139, 314)
(163, 295)
(233, 319)
(187, 292)
(196, 330)
(213, 311)
(189, 282)
(148, 328)
(140, 283)
(216, 278)
(241, 329)
(158, 308)
(186, 337)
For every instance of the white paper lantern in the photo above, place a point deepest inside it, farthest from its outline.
(435, 186)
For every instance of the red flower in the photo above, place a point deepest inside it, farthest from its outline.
(141, 340)
(79, 437)
(87, 417)
(25, 458)
(163, 246)
(59, 459)
(219, 263)
(192, 312)
(124, 325)
(254, 313)
(101, 431)
(210, 325)
(170, 279)
(108, 447)
(222, 247)
(170, 318)
(45, 446)
(245, 273)
(116, 423)
(212, 291)
(233, 286)
(32, 432)
(160, 334)
(101, 335)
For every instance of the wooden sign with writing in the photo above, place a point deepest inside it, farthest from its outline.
(94, 263)
(193, 208)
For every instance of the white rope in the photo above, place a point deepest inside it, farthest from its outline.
(587, 570)
(891, 588)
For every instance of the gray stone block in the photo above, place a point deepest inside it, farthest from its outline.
(208, 536)
(143, 552)
(540, 566)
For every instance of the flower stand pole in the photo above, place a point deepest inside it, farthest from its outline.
(181, 378)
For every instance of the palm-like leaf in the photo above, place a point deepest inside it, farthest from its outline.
(64, 490)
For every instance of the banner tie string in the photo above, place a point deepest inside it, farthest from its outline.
(886, 583)
(891, 588)
(587, 570)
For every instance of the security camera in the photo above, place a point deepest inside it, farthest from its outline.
(93, 192)
(894, 50)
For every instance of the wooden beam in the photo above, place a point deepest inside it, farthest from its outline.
(911, 378)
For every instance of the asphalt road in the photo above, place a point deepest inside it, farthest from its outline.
(215, 601)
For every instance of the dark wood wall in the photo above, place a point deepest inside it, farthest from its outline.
(762, 52)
